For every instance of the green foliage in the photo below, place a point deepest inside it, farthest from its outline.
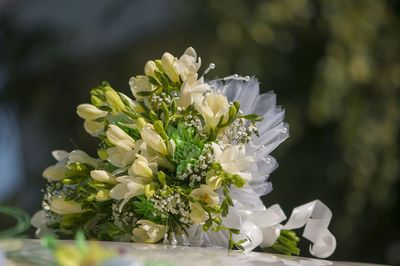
(189, 146)
(145, 208)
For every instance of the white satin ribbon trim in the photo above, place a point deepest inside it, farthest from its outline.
(263, 227)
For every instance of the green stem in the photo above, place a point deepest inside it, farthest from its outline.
(287, 243)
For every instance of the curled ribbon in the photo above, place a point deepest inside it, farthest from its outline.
(262, 228)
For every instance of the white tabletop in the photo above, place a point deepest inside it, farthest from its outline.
(199, 256)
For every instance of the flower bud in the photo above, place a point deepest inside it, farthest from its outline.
(118, 137)
(90, 112)
(103, 195)
(149, 190)
(114, 100)
(213, 180)
(96, 101)
(148, 232)
(171, 146)
(151, 138)
(150, 68)
(102, 153)
(103, 176)
(140, 84)
(55, 172)
(61, 206)
(167, 62)
(93, 128)
(141, 167)
(140, 123)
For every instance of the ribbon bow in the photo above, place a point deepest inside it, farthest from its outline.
(262, 228)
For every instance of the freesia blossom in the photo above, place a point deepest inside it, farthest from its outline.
(213, 180)
(40, 223)
(93, 128)
(55, 172)
(188, 65)
(103, 176)
(197, 214)
(206, 195)
(140, 84)
(120, 138)
(148, 232)
(191, 93)
(233, 159)
(61, 206)
(213, 107)
(127, 188)
(167, 62)
(154, 156)
(153, 139)
(119, 156)
(123, 156)
(82, 157)
(142, 167)
(90, 112)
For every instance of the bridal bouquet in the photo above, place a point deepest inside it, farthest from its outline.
(183, 162)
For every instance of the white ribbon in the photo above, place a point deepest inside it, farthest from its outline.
(262, 228)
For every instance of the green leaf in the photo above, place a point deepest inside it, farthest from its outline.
(253, 117)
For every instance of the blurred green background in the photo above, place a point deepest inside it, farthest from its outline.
(335, 66)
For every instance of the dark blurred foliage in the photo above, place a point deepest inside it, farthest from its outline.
(335, 66)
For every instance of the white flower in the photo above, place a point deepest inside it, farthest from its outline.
(148, 232)
(156, 157)
(140, 84)
(55, 172)
(127, 188)
(141, 167)
(60, 155)
(61, 206)
(40, 223)
(149, 68)
(213, 181)
(120, 138)
(187, 65)
(206, 195)
(153, 139)
(122, 156)
(103, 176)
(233, 159)
(191, 93)
(93, 128)
(82, 157)
(90, 112)
(197, 214)
(213, 107)
(167, 63)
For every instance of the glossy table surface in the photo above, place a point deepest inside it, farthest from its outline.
(174, 255)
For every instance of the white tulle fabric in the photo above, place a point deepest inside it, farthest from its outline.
(258, 225)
